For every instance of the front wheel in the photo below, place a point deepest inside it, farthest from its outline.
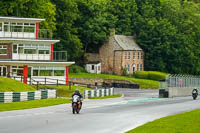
(194, 97)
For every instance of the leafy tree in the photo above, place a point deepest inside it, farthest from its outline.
(94, 23)
(30, 8)
(66, 14)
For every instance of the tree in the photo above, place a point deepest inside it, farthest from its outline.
(66, 15)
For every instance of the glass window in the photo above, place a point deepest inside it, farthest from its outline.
(99, 68)
(141, 55)
(133, 55)
(140, 67)
(128, 67)
(138, 55)
(46, 72)
(129, 55)
(30, 51)
(3, 49)
(20, 50)
(35, 72)
(14, 48)
(43, 51)
(59, 72)
(125, 55)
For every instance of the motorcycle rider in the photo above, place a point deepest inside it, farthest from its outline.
(79, 94)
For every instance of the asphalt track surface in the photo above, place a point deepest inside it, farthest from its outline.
(116, 115)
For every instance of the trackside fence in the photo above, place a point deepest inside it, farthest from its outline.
(98, 93)
(179, 85)
(180, 81)
(9, 97)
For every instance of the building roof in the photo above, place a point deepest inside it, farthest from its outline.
(127, 42)
(38, 41)
(17, 19)
(35, 63)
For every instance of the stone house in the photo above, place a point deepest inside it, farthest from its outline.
(120, 53)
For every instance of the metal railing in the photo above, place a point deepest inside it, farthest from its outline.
(28, 33)
(57, 56)
(180, 81)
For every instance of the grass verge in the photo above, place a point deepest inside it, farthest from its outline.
(7, 85)
(144, 83)
(105, 97)
(32, 104)
(63, 90)
(181, 123)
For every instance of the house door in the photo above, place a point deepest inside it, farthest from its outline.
(133, 69)
(3, 70)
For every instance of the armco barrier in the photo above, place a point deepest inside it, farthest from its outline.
(98, 93)
(8, 97)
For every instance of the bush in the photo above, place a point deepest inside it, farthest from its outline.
(76, 69)
(141, 74)
(152, 75)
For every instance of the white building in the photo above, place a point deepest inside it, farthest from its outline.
(93, 68)
(27, 50)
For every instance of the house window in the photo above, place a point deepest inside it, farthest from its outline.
(129, 55)
(133, 55)
(3, 49)
(99, 68)
(128, 67)
(141, 55)
(140, 67)
(0, 26)
(125, 55)
(138, 55)
(92, 67)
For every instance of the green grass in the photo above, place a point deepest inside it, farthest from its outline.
(105, 97)
(63, 90)
(32, 104)
(188, 122)
(7, 84)
(144, 83)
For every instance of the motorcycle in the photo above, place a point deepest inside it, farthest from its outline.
(76, 104)
(194, 93)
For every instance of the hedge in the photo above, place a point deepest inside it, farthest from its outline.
(152, 75)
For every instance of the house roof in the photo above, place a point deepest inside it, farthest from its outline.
(127, 42)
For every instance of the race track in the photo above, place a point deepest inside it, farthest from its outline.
(97, 116)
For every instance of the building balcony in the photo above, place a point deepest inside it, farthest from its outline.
(56, 56)
(23, 33)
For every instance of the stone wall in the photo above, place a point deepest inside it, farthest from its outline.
(106, 56)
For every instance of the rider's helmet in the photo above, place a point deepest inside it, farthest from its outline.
(77, 91)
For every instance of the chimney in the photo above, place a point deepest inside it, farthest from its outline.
(112, 32)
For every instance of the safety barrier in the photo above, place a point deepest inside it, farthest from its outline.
(8, 97)
(99, 93)
(178, 85)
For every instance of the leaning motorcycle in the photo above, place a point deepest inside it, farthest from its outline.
(194, 93)
(76, 104)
